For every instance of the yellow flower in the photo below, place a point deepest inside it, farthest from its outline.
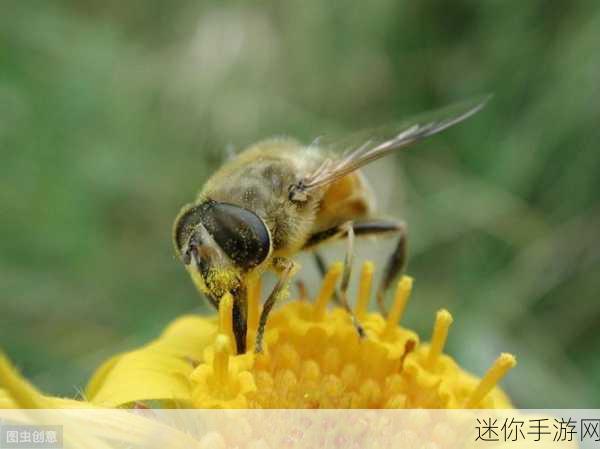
(158, 371)
(16, 392)
(313, 358)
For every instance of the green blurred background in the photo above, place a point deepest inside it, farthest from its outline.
(112, 114)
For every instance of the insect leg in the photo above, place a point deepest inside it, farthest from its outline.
(286, 273)
(397, 261)
(373, 227)
(320, 263)
(345, 230)
(348, 259)
(302, 292)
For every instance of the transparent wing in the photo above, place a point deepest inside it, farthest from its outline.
(359, 149)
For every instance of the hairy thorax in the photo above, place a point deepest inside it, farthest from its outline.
(259, 179)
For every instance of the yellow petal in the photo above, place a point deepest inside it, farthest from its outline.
(189, 335)
(16, 392)
(17, 388)
(6, 401)
(99, 376)
(157, 371)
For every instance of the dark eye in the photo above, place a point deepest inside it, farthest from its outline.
(240, 233)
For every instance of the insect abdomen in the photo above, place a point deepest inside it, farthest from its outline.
(349, 198)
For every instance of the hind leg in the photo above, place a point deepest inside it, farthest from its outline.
(394, 267)
(320, 263)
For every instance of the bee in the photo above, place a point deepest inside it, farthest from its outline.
(279, 197)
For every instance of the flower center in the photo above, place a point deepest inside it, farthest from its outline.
(314, 358)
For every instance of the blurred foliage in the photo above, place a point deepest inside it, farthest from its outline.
(113, 113)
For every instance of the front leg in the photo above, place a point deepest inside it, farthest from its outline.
(285, 268)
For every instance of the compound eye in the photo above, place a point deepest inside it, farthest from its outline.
(240, 233)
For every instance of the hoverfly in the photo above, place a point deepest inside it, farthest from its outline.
(279, 197)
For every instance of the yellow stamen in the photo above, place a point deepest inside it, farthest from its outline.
(443, 320)
(254, 291)
(501, 366)
(400, 299)
(327, 289)
(315, 359)
(364, 289)
(221, 358)
(226, 316)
